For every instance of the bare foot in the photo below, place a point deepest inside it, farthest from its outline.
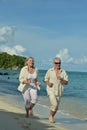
(27, 113)
(31, 112)
(51, 119)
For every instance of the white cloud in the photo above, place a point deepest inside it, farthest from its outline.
(64, 55)
(6, 34)
(66, 58)
(81, 60)
(17, 50)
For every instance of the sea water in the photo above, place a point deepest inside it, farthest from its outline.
(74, 99)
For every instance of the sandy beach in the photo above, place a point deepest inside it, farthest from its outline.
(72, 113)
(13, 118)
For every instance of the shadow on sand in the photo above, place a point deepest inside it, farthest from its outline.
(18, 121)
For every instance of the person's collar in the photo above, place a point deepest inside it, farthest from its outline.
(26, 67)
(52, 69)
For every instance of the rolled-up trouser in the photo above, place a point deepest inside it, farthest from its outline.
(30, 96)
(54, 100)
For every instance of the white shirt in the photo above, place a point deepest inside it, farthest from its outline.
(32, 77)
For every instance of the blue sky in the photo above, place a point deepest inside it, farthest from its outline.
(45, 29)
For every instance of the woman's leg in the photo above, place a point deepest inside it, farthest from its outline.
(33, 93)
(26, 96)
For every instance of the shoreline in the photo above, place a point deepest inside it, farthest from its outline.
(12, 118)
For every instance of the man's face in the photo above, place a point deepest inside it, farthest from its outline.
(57, 63)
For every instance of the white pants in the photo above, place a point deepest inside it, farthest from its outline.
(30, 96)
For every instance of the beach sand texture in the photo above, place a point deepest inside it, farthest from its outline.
(12, 118)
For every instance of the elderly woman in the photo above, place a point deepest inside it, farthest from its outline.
(29, 81)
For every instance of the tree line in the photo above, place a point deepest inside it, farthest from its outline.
(8, 61)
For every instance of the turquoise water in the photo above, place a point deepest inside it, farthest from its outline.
(73, 101)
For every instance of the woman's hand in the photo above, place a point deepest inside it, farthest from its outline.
(27, 81)
(38, 84)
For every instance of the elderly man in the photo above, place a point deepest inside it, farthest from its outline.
(55, 79)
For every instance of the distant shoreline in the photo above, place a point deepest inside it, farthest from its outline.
(3, 69)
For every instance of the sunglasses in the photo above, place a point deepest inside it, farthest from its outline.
(57, 62)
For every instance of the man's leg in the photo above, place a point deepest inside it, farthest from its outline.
(54, 106)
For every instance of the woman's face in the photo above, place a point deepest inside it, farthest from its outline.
(30, 62)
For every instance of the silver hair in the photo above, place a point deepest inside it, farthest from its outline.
(57, 58)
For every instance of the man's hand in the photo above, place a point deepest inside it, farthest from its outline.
(49, 84)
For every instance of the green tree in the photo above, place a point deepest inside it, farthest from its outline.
(8, 61)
